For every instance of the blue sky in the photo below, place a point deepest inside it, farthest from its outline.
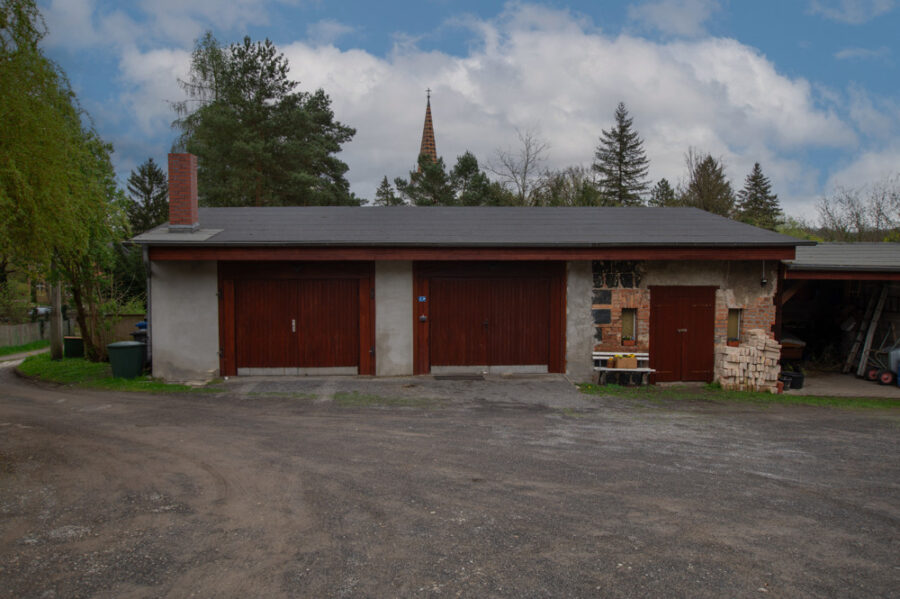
(808, 88)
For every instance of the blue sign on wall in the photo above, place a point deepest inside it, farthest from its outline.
(422, 298)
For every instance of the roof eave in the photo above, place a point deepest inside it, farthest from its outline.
(409, 244)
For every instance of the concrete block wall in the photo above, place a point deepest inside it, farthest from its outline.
(393, 318)
(579, 363)
(184, 320)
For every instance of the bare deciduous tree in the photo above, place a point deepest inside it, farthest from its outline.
(519, 170)
(571, 186)
(867, 213)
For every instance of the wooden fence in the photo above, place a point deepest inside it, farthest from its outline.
(20, 334)
(124, 327)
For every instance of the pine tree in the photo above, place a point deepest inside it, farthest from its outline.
(385, 196)
(465, 185)
(148, 205)
(470, 185)
(708, 188)
(757, 205)
(427, 186)
(260, 142)
(662, 194)
(621, 163)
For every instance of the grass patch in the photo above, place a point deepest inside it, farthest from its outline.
(713, 392)
(287, 394)
(570, 413)
(18, 349)
(95, 375)
(357, 399)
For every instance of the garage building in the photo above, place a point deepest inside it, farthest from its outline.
(406, 290)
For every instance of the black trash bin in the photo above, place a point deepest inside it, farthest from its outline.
(127, 358)
(73, 347)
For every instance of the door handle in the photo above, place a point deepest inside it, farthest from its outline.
(293, 325)
(681, 330)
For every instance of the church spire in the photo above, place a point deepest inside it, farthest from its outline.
(428, 147)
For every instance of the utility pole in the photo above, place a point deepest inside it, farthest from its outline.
(56, 344)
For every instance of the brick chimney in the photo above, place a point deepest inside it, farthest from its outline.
(183, 193)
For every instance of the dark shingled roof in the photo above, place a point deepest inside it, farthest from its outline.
(881, 257)
(469, 227)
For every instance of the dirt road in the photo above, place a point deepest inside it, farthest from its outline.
(355, 488)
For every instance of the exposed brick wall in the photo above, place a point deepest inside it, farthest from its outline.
(183, 191)
(611, 334)
(738, 284)
(759, 313)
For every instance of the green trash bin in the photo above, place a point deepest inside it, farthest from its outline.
(126, 358)
(73, 347)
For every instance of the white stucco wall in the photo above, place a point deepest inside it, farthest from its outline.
(393, 318)
(740, 279)
(579, 324)
(184, 320)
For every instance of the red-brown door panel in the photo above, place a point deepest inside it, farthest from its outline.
(682, 332)
(264, 337)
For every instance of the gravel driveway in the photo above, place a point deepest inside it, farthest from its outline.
(423, 488)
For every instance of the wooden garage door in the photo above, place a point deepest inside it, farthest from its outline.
(490, 322)
(296, 315)
(489, 314)
(297, 323)
(682, 333)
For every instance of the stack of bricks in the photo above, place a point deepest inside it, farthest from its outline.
(752, 366)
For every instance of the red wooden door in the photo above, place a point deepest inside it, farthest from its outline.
(328, 322)
(682, 333)
(489, 321)
(518, 324)
(460, 309)
(297, 323)
(263, 330)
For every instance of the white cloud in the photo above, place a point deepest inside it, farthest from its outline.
(150, 80)
(533, 67)
(77, 24)
(716, 95)
(185, 20)
(852, 12)
(327, 31)
(874, 116)
(675, 17)
(71, 23)
(862, 53)
(869, 167)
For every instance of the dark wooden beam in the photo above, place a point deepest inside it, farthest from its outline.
(789, 293)
(226, 253)
(779, 301)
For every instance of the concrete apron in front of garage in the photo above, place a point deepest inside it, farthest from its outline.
(830, 384)
(535, 390)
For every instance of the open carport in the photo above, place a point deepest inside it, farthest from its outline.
(839, 306)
